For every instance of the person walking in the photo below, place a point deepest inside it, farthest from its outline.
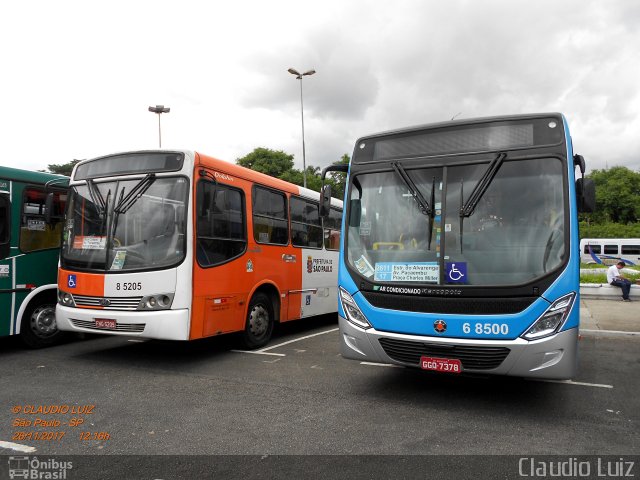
(615, 278)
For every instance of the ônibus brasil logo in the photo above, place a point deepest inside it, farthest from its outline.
(26, 467)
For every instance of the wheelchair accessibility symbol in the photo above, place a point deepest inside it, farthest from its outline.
(457, 272)
(71, 281)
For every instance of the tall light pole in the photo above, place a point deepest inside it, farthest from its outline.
(159, 109)
(299, 76)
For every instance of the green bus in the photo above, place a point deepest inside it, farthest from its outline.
(31, 219)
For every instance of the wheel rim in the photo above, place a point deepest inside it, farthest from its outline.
(43, 321)
(258, 320)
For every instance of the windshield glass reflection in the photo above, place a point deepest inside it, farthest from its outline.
(149, 233)
(515, 233)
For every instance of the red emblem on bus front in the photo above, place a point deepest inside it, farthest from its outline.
(440, 326)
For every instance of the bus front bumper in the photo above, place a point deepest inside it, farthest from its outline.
(553, 357)
(161, 324)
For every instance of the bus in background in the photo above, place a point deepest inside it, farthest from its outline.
(31, 209)
(609, 251)
(177, 245)
(460, 247)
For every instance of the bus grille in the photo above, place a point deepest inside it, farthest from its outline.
(120, 327)
(115, 303)
(459, 305)
(472, 357)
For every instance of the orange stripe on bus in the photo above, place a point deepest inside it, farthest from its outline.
(90, 284)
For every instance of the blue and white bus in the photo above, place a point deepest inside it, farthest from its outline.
(460, 247)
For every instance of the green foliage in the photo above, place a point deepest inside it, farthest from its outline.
(617, 196)
(338, 179)
(272, 162)
(63, 168)
(617, 205)
(280, 165)
(593, 278)
(609, 230)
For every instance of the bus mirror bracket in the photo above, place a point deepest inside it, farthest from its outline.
(48, 209)
(325, 195)
(325, 201)
(355, 212)
(207, 174)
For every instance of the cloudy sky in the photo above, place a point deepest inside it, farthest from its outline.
(78, 76)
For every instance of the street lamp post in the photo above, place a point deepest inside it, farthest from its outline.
(159, 109)
(299, 76)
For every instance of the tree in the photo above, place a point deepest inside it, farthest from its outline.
(63, 168)
(617, 195)
(265, 160)
(280, 165)
(338, 179)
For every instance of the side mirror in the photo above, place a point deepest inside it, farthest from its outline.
(586, 195)
(578, 161)
(5, 226)
(325, 201)
(355, 212)
(325, 197)
(48, 209)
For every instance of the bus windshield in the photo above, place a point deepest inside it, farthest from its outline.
(107, 230)
(510, 234)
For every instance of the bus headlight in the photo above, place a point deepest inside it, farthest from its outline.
(553, 319)
(162, 301)
(351, 310)
(66, 299)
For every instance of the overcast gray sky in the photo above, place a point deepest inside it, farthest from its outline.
(78, 76)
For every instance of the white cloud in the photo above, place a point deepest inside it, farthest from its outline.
(78, 76)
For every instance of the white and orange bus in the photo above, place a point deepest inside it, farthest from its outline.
(177, 245)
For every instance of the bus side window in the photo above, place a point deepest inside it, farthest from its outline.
(220, 225)
(306, 227)
(5, 225)
(630, 249)
(270, 222)
(35, 233)
(332, 229)
(611, 250)
(594, 248)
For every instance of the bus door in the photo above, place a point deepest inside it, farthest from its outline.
(305, 298)
(6, 282)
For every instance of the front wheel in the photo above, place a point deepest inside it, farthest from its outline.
(38, 327)
(259, 325)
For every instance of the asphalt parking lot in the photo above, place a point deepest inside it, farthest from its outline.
(298, 396)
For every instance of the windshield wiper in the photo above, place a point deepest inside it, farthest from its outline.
(125, 202)
(96, 196)
(423, 204)
(467, 209)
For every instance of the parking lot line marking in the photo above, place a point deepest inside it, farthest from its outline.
(381, 364)
(258, 352)
(571, 382)
(17, 447)
(608, 332)
(296, 340)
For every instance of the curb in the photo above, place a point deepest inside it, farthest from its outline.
(607, 333)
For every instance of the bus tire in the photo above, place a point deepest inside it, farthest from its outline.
(260, 319)
(38, 328)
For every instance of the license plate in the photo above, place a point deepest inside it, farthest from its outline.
(105, 323)
(448, 365)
